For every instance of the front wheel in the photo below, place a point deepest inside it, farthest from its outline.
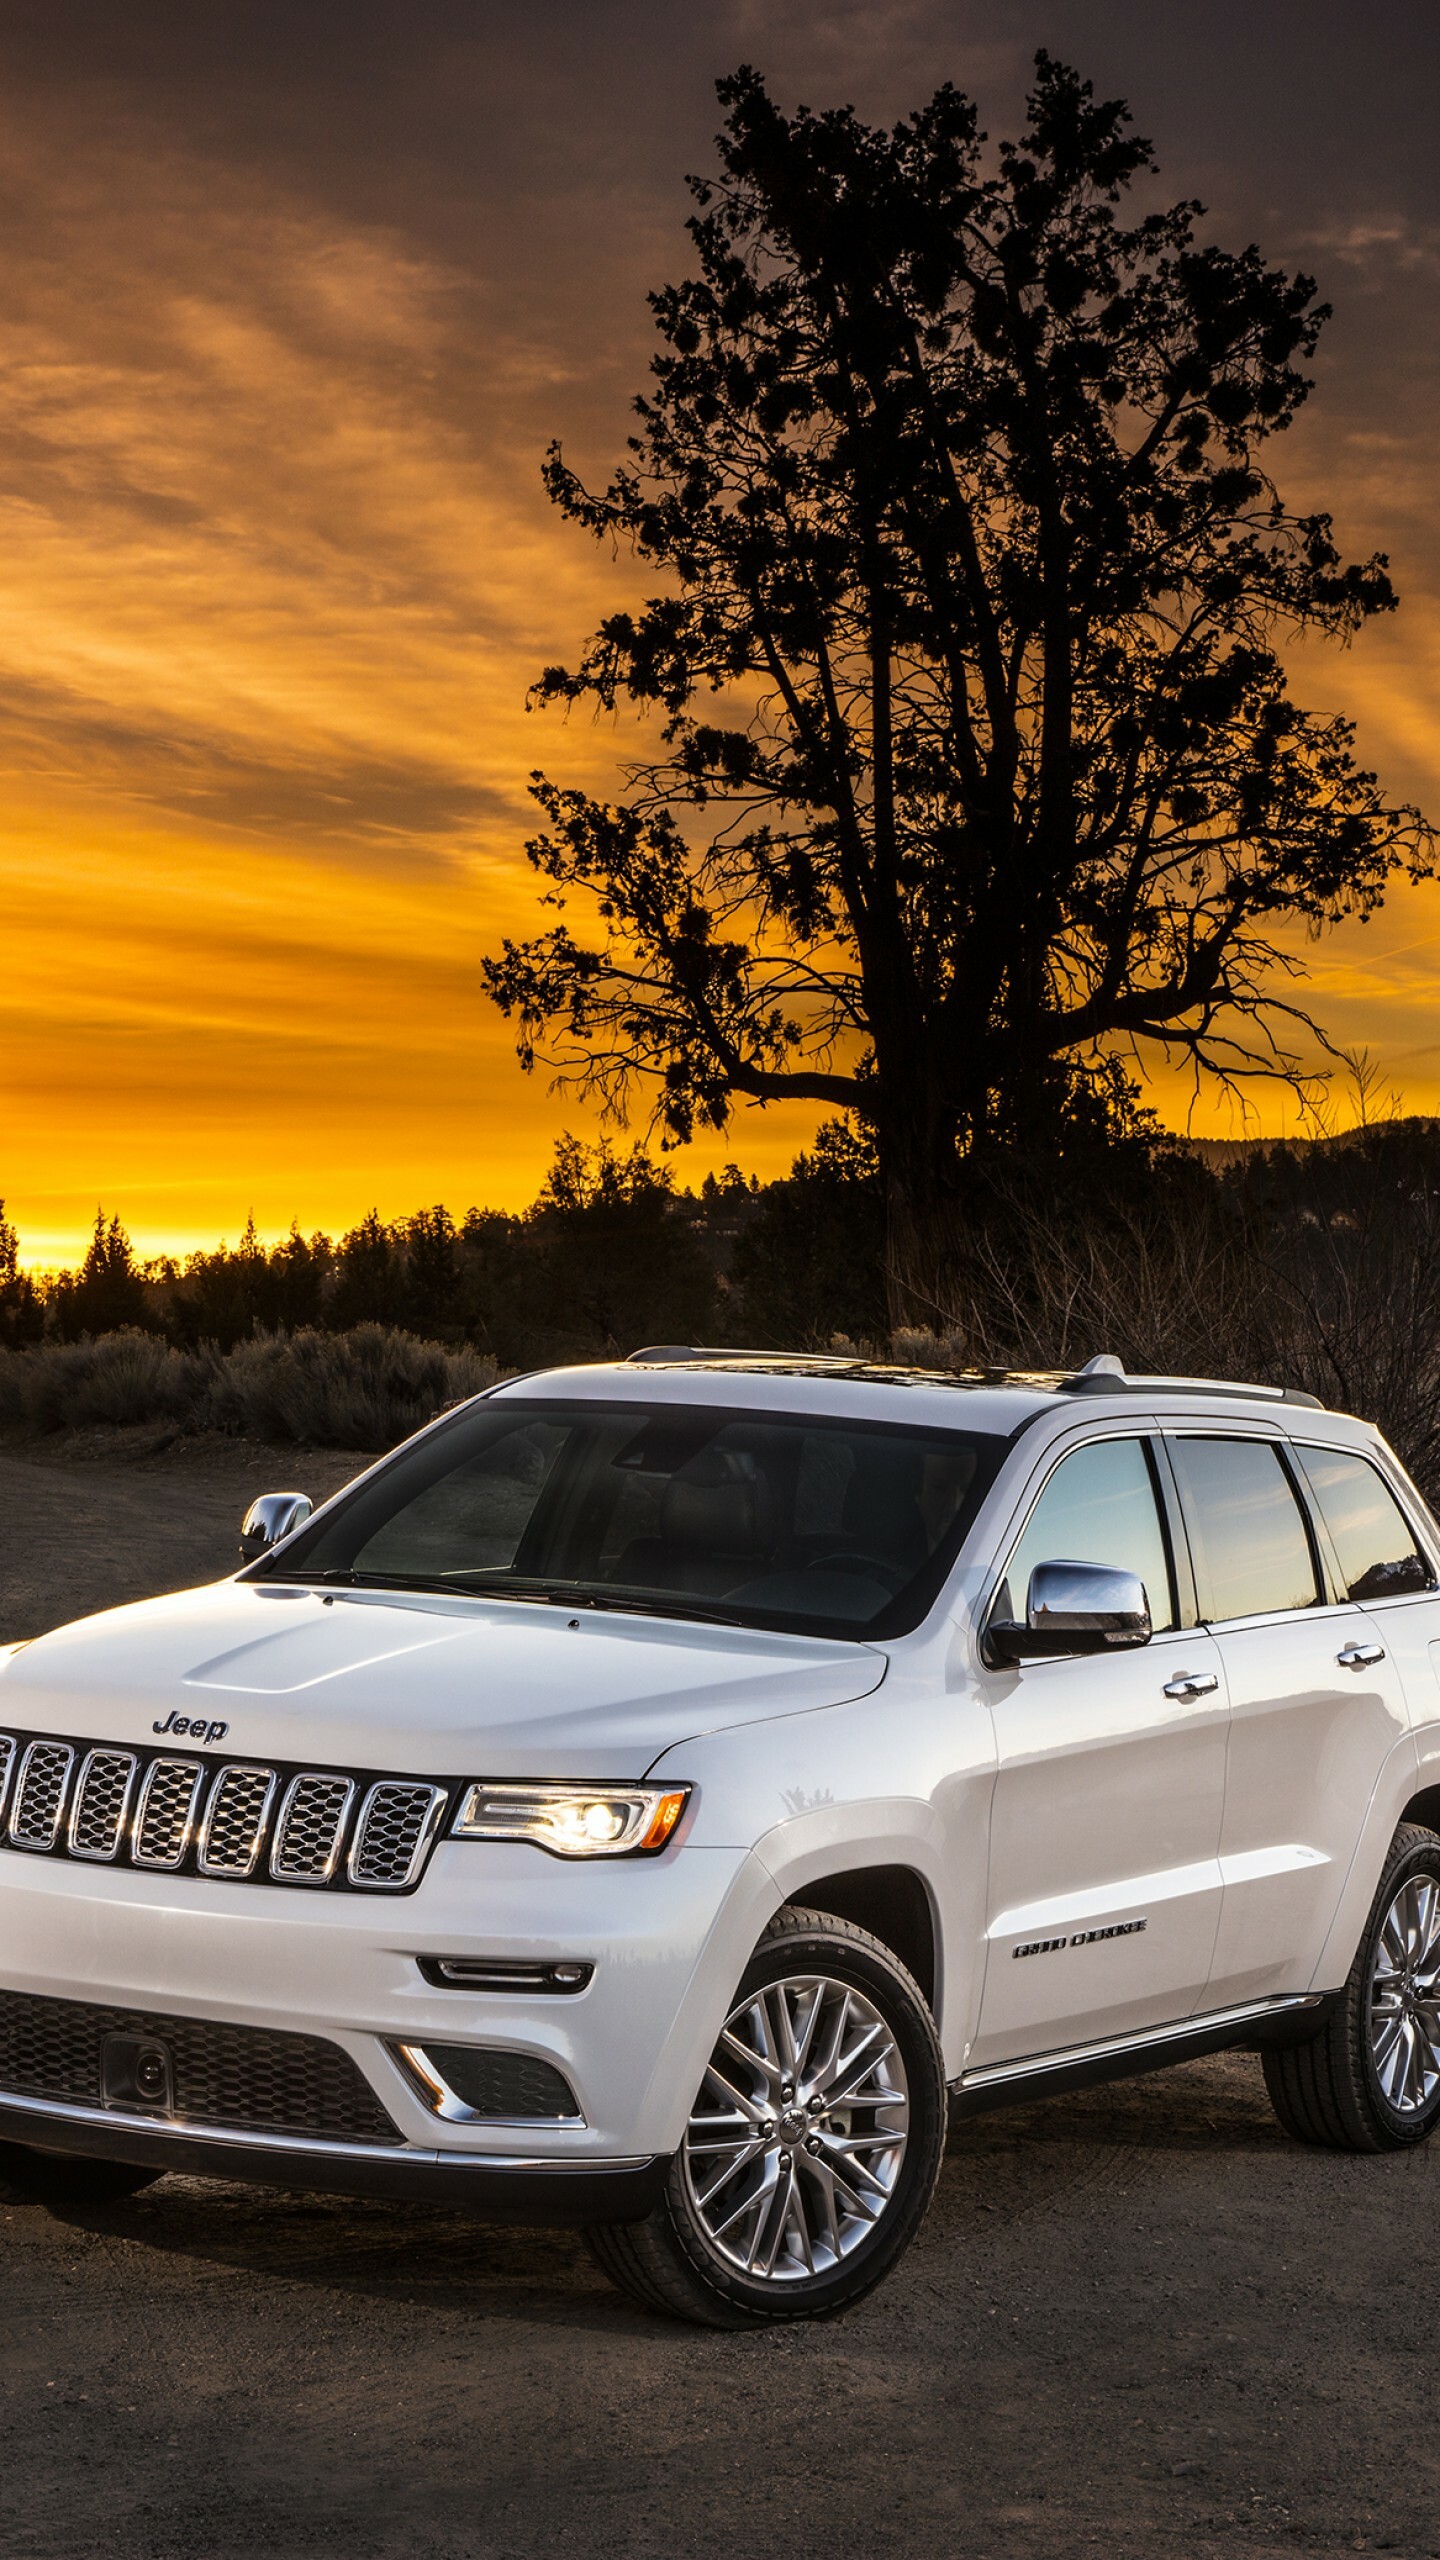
(813, 2145)
(1369, 2079)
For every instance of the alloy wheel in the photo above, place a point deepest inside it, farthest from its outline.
(795, 2145)
(1404, 2004)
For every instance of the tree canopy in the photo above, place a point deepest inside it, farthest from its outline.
(977, 777)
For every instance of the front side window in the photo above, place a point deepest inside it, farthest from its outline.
(1373, 1542)
(795, 1522)
(1099, 1507)
(1248, 1536)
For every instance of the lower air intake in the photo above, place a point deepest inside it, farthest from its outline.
(228, 2078)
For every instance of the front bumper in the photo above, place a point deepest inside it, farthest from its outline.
(494, 2187)
(668, 1939)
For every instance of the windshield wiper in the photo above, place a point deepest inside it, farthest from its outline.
(638, 1602)
(560, 1595)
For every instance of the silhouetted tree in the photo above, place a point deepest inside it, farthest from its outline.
(225, 1296)
(810, 1263)
(369, 1276)
(432, 1272)
(978, 772)
(107, 1293)
(613, 1266)
(22, 1309)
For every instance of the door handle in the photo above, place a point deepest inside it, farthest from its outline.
(1191, 1684)
(1356, 1656)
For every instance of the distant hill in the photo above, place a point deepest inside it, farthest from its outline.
(1219, 1153)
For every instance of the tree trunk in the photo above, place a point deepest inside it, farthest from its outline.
(920, 1166)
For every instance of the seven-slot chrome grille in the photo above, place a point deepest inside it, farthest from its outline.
(244, 1820)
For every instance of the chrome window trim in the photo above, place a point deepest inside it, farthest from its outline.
(1303, 1612)
(17, 1838)
(318, 1875)
(166, 1866)
(1403, 1495)
(1127, 1426)
(102, 1751)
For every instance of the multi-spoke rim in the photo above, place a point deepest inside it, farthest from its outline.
(794, 2147)
(1405, 1997)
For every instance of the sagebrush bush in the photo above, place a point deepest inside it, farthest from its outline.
(118, 1377)
(364, 1389)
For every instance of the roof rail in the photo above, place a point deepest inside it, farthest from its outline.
(661, 1355)
(1106, 1376)
(1102, 1376)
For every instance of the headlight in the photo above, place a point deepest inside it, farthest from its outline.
(573, 1821)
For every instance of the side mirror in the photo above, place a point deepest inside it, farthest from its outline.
(1075, 1608)
(270, 1518)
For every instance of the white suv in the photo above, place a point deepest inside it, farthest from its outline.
(651, 1795)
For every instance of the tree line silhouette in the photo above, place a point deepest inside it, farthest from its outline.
(1314, 1264)
(609, 1255)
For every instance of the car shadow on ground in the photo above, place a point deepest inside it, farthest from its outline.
(1008, 2164)
(1217, 2103)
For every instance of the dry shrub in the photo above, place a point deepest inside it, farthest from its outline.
(364, 1389)
(117, 1377)
(360, 1390)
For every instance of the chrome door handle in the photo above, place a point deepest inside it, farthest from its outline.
(1192, 1684)
(1356, 1656)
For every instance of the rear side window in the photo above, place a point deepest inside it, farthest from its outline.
(1374, 1544)
(1247, 1533)
(1098, 1507)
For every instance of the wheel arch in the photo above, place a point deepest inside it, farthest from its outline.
(892, 1902)
(1424, 1808)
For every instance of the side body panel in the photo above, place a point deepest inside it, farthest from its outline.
(1308, 1739)
(1108, 1804)
(1320, 1765)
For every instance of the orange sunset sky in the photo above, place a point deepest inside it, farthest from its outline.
(293, 298)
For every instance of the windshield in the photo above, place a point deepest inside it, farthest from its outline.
(794, 1522)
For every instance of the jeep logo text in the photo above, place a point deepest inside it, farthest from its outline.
(195, 1726)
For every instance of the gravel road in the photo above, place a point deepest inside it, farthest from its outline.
(1138, 2322)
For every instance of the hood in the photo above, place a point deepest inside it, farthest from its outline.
(441, 1686)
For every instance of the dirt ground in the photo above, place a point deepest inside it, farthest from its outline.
(1137, 2322)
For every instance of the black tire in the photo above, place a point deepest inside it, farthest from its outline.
(63, 2178)
(1329, 2089)
(671, 2261)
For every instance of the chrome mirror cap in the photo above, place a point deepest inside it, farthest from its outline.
(271, 1517)
(1088, 1599)
(1075, 1608)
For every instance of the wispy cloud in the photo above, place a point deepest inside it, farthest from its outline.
(1378, 244)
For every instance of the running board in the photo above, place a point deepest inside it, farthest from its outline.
(1041, 2075)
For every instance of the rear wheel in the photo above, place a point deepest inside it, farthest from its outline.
(813, 2145)
(1369, 2078)
(62, 2177)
